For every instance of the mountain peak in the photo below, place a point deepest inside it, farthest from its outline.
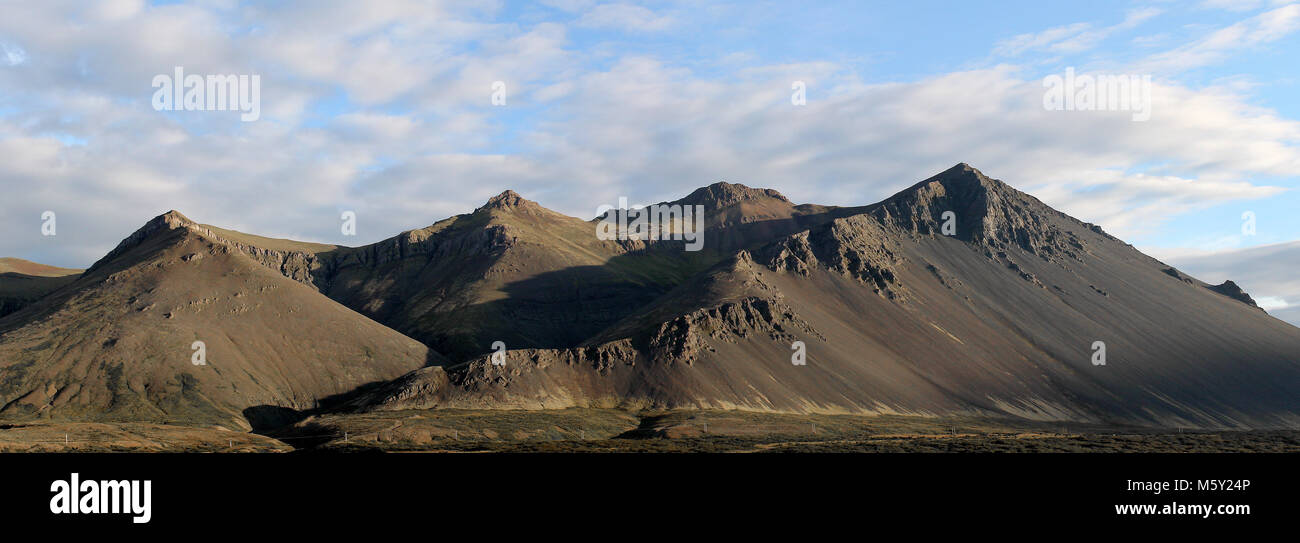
(174, 219)
(722, 194)
(171, 220)
(507, 201)
(982, 210)
(963, 175)
(961, 189)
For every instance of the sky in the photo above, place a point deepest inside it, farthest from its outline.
(385, 109)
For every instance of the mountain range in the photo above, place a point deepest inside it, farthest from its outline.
(959, 295)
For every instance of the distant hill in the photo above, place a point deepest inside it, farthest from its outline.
(24, 267)
(23, 282)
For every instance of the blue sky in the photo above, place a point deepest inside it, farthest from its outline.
(384, 108)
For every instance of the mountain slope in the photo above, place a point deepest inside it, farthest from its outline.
(117, 344)
(999, 318)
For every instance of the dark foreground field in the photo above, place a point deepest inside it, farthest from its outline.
(612, 430)
(615, 431)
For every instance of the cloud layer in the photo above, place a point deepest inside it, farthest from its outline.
(384, 108)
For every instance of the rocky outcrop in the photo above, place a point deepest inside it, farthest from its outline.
(1173, 272)
(683, 339)
(1231, 290)
(297, 265)
(852, 246)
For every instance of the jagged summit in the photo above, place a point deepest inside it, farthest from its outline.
(970, 190)
(174, 216)
(509, 201)
(962, 183)
(985, 211)
(723, 194)
(962, 190)
(170, 220)
(963, 170)
(1232, 290)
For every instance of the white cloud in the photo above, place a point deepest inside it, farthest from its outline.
(1136, 204)
(1071, 38)
(1258, 30)
(115, 10)
(1026, 42)
(13, 54)
(1242, 5)
(625, 17)
(569, 5)
(1272, 303)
